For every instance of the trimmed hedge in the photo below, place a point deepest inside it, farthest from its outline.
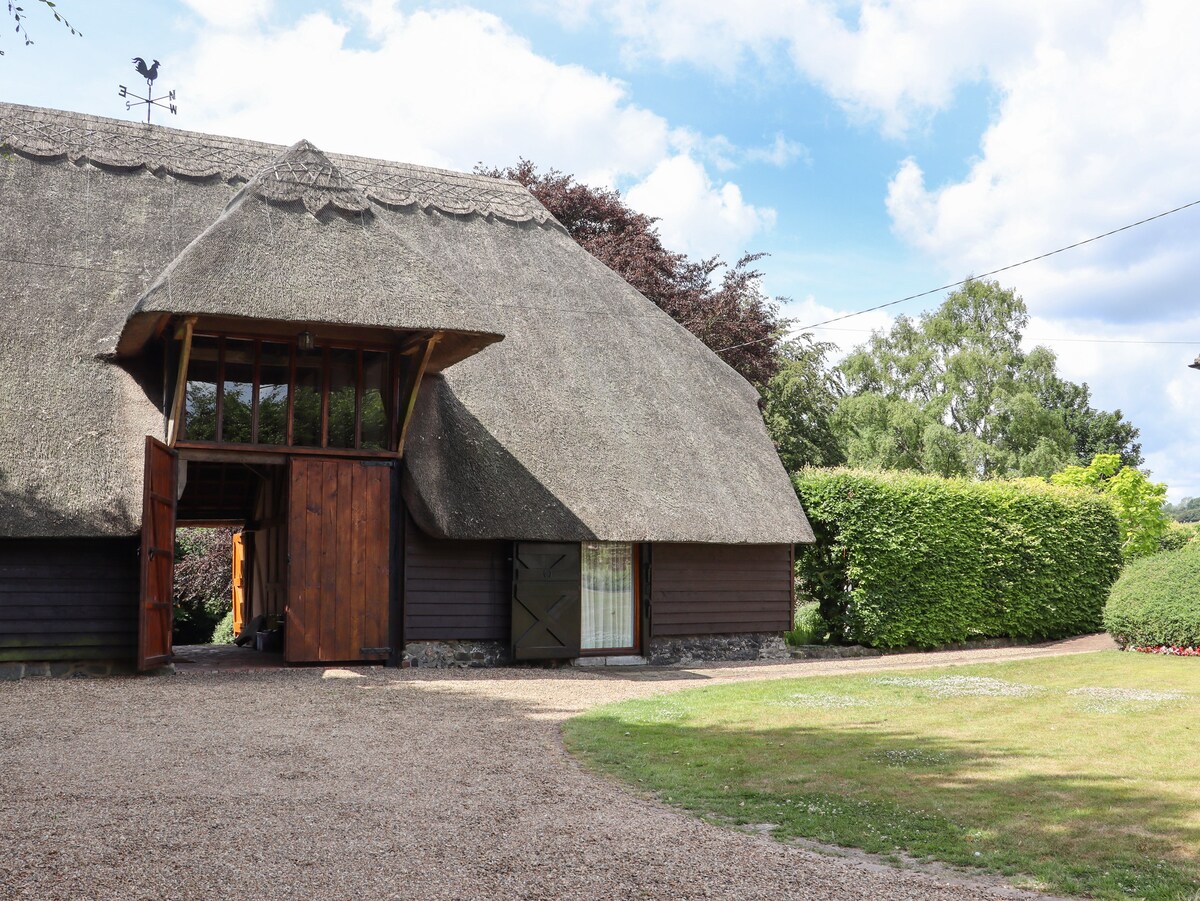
(905, 560)
(1157, 601)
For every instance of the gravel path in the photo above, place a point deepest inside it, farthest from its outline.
(378, 783)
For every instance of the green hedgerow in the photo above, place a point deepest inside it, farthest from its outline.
(910, 560)
(1157, 601)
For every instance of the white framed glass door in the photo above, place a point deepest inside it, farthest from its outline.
(608, 574)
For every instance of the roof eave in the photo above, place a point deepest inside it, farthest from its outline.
(454, 345)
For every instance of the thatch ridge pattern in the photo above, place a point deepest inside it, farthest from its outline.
(80, 138)
(304, 173)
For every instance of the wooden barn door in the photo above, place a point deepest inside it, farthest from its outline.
(545, 607)
(155, 619)
(339, 560)
(239, 582)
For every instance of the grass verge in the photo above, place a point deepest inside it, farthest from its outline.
(1078, 775)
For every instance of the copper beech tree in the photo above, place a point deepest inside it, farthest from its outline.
(729, 312)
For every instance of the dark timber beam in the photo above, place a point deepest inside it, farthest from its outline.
(221, 455)
(415, 386)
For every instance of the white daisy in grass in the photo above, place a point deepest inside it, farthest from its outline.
(962, 686)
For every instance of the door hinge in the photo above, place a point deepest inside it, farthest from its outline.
(374, 651)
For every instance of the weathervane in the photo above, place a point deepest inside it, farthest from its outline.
(149, 73)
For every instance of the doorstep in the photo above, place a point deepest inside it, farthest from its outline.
(615, 660)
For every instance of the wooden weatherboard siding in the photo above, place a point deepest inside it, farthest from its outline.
(713, 589)
(456, 590)
(68, 599)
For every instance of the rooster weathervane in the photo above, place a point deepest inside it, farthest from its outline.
(150, 73)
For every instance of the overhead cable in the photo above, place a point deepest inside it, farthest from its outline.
(1040, 256)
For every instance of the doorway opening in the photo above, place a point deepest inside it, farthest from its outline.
(231, 558)
(317, 573)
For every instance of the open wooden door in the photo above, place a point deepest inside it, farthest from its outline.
(155, 620)
(546, 603)
(239, 582)
(339, 560)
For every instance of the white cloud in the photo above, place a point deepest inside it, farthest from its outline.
(892, 62)
(444, 87)
(698, 216)
(456, 87)
(721, 153)
(1148, 382)
(1085, 140)
(779, 153)
(231, 14)
(1091, 134)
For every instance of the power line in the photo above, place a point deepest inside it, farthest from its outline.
(867, 331)
(1111, 341)
(1040, 256)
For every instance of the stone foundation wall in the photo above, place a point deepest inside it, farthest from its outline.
(706, 648)
(448, 654)
(11, 672)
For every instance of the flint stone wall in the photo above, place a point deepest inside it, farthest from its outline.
(707, 648)
(455, 654)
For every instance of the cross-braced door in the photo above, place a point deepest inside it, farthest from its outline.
(545, 606)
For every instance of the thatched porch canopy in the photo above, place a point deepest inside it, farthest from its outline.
(596, 416)
(300, 243)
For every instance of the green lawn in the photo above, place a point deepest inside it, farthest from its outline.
(1078, 775)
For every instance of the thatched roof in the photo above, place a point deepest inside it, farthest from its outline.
(301, 243)
(596, 416)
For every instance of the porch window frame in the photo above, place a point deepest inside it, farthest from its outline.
(406, 362)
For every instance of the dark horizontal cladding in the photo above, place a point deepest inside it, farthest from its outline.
(68, 598)
(456, 590)
(56, 601)
(462, 589)
(712, 589)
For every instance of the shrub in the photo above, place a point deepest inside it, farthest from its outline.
(908, 560)
(1157, 601)
(808, 626)
(1176, 536)
(223, 633)
(203, 582)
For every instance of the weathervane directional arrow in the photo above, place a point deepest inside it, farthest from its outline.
(150, 73)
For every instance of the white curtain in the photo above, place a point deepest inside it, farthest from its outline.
(608, 597)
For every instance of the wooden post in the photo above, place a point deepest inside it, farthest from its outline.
(411, 403)
(185, 333)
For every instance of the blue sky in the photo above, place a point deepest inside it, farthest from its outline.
(873, 149)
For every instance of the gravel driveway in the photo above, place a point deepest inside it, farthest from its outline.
(374, 783)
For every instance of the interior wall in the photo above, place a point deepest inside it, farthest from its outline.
(266, 553)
